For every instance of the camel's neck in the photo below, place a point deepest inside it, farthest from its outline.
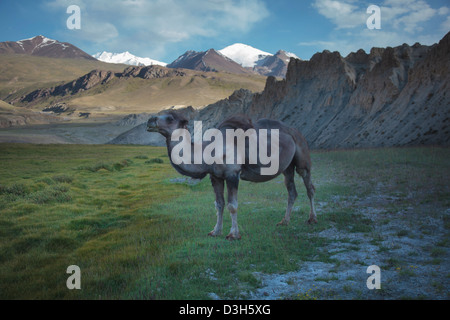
(196, 171)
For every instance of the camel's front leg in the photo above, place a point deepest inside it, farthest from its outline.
(232, 188)
(218, 185)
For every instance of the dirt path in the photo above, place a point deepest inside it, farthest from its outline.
(409, 245)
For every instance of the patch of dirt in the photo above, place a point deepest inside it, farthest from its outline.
(410, 245)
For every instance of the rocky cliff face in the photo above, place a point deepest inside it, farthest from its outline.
(150, 72)
(273, 65)
(388, 97)
(83, 83)
(212, 115)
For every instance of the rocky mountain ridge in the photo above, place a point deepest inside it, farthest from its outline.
(104, 94)
(210, 60)
(395, 96)
(274, 65)
(237, 58)
(244, 61)
(95, 78)
(43, 46)
(259, 61)
(389, 97)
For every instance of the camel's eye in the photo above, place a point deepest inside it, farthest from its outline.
(170, 119)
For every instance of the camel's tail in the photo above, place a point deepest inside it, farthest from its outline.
(302, 159)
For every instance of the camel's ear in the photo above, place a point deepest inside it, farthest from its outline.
(184, 123)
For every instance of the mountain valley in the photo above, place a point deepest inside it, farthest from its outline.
(394, 96)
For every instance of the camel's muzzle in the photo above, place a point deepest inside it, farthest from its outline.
(152, 125)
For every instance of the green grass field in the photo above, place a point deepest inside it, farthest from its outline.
(114, 212)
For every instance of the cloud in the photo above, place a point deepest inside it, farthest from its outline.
(159, 23)
(98, 32)
(407, 15)
(342, 14)
(402, 21)
(443, 11)
(446, 25)
(365, 39)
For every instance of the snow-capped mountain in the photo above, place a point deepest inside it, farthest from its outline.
(245, 55)
(43, 46)
(126, 58)
(291, 55)
(210, 60)
(259, 61)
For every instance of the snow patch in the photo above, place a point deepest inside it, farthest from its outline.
(126, 58)
(291, 55)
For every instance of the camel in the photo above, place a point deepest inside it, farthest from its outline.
(293, 157)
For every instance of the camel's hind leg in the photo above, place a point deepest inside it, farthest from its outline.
(289, 174)
(310, 189)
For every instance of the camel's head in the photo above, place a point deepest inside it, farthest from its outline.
(166, 123)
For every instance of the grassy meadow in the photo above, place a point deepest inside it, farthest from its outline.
(136, 233)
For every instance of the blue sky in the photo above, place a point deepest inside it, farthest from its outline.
(165, 29)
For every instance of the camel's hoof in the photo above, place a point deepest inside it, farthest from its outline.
(213, 234)
(311, 221)
(233, 237)
(283, 223)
